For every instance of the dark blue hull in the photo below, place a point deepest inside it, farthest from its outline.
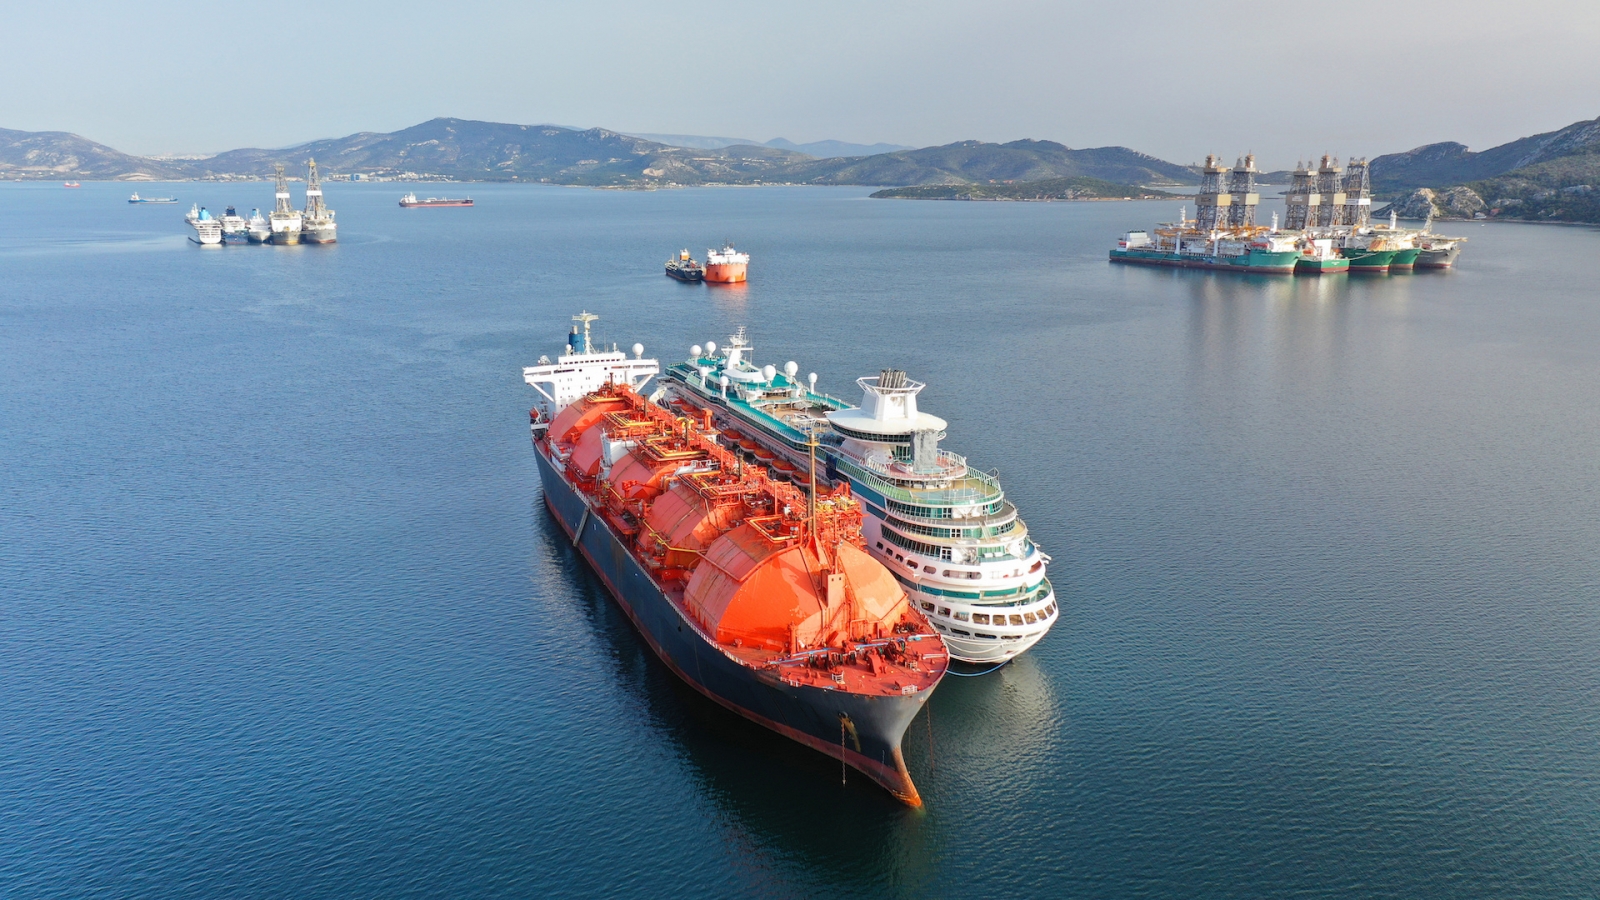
(866, 730)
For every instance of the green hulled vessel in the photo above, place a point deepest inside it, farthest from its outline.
(1263, 252)
(1367, 260)
(1405, 259)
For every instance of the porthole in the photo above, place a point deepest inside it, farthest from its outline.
(944, 610)
(928, 569)
(960, 632)
(927, 606)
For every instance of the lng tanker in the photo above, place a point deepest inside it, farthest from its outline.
(759, 595)
(943, 528)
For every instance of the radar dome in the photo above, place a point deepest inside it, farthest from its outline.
(790, 368)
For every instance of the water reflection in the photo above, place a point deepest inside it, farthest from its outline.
(789, 824)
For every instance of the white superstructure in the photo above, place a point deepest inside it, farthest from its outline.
(945, 529)
(583, 369)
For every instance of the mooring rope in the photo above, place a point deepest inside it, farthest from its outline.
(975, 674)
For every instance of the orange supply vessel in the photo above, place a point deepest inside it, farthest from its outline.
(726, 266)
(759, 595)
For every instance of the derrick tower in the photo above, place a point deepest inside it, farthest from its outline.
(1242, 187)
(1330, 190)
(281, 195)
(1357, 195)
(1302, 199)
(1211, 199)
(314, 207)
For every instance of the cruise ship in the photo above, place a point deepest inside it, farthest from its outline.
(944, 528)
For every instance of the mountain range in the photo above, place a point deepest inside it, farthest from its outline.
(819, 149)
(1545, 177)
(491, 151)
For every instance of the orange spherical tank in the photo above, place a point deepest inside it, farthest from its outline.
(583, 414)
(635, 477)
(687, 522)
(754, 591)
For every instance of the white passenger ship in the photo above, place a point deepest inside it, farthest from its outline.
(945, 529)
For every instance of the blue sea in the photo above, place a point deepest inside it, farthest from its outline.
(282, 613)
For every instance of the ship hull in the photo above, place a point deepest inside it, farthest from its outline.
(1305, 266)
(725, 273)
(1438, 259)
(1369, 261)
(1405, 260)
(319, 235)
(430, 204)
(256, 236)
(1254, 261)
(809, 715)
(286, 237)
(685, 276)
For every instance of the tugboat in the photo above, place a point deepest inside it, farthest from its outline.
(726, 266)
(685, 269)
(759, 595)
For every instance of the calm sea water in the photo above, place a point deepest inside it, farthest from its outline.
(282, 615)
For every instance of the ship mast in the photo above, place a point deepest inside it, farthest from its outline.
(585, 317)
(282, 193)
(313, 192)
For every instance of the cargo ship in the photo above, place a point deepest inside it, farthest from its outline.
(411, 200)
(285, 220)
(138, 199)
(1319, 256)
(943, 528)
(1437, 251)
(317, 226)
(685, 269)
(726, 266)
(759, 595)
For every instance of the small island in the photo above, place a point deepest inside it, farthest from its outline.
(1075, 188)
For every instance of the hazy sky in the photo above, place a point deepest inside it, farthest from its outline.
(1173, 79)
